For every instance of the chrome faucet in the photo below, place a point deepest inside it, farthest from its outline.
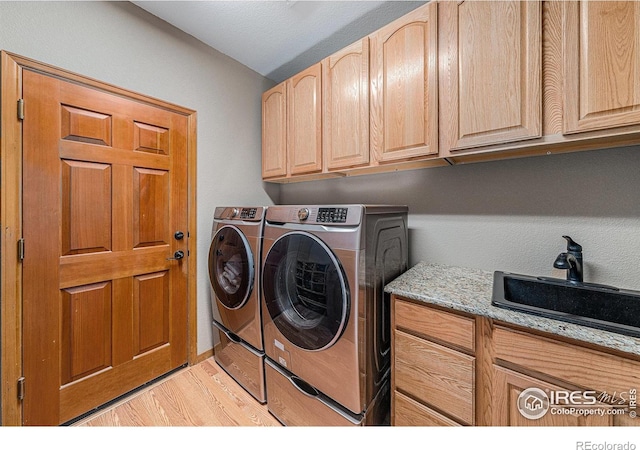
(571, 261)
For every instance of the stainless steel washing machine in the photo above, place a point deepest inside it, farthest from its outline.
(325, 314)
(234, 273)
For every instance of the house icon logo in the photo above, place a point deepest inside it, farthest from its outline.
(533, 403)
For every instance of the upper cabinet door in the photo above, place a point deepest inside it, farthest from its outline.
(490, 69)
(404, 87)
(601, 65)
(345, 93)
(274, 132)
(304, 137)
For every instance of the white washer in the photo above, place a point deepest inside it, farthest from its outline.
(325, 314)
(234, 273)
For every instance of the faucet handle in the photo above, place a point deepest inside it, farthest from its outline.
(572, 246)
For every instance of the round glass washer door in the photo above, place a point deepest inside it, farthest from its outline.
(231, 268)
(306, 291)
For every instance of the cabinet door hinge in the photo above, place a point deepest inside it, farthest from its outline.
(21, 388)
(21, 109)
(21, 249)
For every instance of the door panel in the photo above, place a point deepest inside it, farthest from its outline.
(86, 207)
(105, 187)
(149, 138)
(78, 124)
(150, 311)
(150, 207)
(86, 325)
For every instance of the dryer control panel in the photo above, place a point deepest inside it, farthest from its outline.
(251, 214)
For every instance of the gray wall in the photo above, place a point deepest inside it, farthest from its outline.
(121, 44)
(510, 215)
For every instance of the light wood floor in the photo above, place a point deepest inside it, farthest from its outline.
(200, 395)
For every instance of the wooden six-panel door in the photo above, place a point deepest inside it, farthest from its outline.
(104, 191)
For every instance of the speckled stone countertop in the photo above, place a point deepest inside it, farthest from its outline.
(470, 290)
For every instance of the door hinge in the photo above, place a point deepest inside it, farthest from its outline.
(21, 109)
(21, 249)
(21, 388)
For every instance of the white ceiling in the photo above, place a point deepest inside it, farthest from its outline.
(277, 38)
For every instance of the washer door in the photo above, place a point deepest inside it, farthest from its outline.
(305, 291)
(231, 269)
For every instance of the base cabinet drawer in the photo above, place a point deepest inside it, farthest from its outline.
(410, 413)
(436, 375)
(437, 325)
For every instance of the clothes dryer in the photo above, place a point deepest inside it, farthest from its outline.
(234, 273)
(325, 314)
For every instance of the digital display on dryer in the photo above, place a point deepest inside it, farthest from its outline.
(332, 215)
(248, 213)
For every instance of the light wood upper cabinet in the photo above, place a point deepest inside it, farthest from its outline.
(601, 65)
(461, 81)
(404, 87)
(490, 73)
(345, 95)
(274, 132)
(304, 133)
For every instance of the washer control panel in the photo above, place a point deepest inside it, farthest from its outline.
(250, 214)
(332, 215)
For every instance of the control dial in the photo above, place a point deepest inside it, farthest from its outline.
(303, 213)
(235, 212)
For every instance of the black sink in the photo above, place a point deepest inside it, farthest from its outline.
(589, 304)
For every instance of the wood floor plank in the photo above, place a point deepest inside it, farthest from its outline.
(201, 395)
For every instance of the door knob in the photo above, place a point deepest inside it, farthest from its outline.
(177, 255)
(178, 235)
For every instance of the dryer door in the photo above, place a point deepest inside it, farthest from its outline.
(231, 269)
(305, 291)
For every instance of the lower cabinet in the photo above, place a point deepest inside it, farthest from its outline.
(450, 369)
(433, 364)
(513, 408)
(541, 381)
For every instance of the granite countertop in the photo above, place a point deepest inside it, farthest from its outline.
(470, 290)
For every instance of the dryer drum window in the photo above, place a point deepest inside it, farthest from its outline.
(305, 291)
(231, 269)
